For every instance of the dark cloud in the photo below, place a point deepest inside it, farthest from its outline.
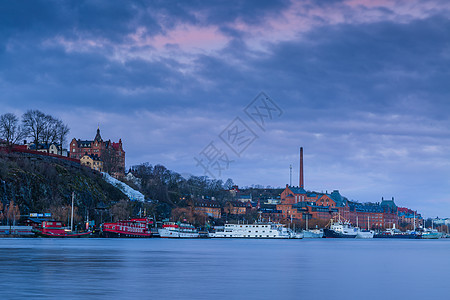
(367, 100)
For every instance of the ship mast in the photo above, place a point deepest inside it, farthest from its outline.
(71, 218)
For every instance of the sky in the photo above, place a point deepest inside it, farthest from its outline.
(232, 89)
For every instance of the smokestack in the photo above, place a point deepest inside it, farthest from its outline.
(301, 184)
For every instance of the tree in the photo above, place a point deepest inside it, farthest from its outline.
(228, 185)
(61, 134)
(13, 213)
(120, 211)
(50, 131)
(10, 130)
(33, 123)
(64, 213)
(188, 214)
(1, 212)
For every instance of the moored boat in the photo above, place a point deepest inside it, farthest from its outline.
(259, 231)
(340, 229)
(312, 233)
(393, 233)
(133, 228)
(364, 234)
(432, 234)
(178, 230)
(55, 229)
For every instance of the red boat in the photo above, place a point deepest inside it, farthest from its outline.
(55, 229)
(134, 228)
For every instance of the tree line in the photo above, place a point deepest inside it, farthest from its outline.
(41, 128)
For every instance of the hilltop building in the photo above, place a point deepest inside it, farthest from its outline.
(52, 148)
(109, 155)
(92, 161)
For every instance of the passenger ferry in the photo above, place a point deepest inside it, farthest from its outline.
(134, 228)
(178, 230)
(259, 231)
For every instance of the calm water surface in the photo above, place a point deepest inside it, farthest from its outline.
(224, 269)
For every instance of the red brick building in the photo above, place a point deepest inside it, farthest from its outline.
(210, 208)
(111, 154)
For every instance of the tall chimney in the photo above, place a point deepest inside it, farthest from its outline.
(301, 184)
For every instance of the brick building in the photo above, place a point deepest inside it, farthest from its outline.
(210, 208)
(407, 217)
(111, 154)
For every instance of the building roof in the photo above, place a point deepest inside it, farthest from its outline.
(94, 157)
(388, 203)
(297, 190)
(84, 144)
(205, 203)
(336, 196)
(98, 137)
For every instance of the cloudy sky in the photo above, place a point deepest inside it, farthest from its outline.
(362, 85)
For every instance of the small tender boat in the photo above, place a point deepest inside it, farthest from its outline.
(55, 229)
(134, 228)
(178, 230)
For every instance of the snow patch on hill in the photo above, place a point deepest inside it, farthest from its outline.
(131, 193)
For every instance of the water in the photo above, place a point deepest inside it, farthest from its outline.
(224, 269)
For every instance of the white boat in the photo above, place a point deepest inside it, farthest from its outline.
(312, 233)
(364, 234)
(178, 230)
(432, 234)
(260, 231)
(340, 229)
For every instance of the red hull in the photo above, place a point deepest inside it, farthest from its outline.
(62, 235)
(54, 229)
(134, 228)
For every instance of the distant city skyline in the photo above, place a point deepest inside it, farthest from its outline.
(362, 86)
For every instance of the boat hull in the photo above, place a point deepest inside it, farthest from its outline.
(397, 236)
(59, 235)
(365, 235)
(165, 233)
(327, 233)
(312, 235)
(432, 236)
(123, 234)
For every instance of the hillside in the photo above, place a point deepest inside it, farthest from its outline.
(45, 184)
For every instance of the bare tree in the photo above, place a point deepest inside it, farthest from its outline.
(13, 213)
(50, 131)
(33, 122)
(10, 130)
(1, 212)
(111, 160)
(120, 210)
(61, 133)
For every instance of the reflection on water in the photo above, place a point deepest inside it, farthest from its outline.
(223, 269)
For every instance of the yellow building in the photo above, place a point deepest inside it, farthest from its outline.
(92, 161)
